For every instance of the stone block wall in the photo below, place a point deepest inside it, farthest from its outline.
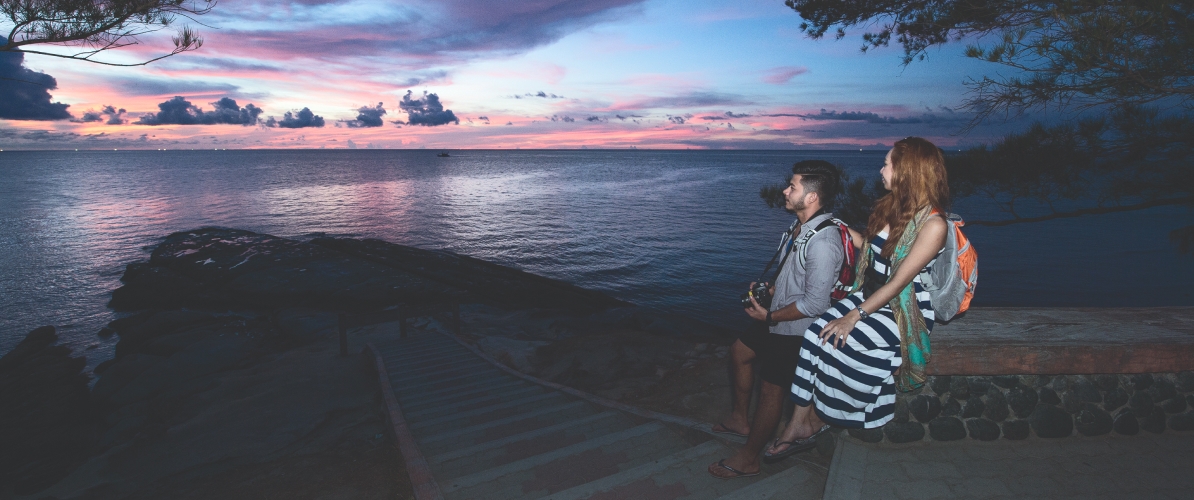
(986, 408)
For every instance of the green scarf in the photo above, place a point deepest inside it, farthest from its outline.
(914, 335)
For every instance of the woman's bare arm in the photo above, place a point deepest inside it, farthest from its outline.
(930, 241)
(858, 238)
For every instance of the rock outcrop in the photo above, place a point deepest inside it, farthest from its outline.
(46, 424)
(227, 361)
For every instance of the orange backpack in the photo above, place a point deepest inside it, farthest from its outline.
(951, 280)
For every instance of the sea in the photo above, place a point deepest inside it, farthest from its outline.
(681, 231)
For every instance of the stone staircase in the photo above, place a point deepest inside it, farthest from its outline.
(486, 433)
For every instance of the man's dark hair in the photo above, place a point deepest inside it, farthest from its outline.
(821, 177)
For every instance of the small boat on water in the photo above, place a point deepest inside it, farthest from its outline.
(443, 154)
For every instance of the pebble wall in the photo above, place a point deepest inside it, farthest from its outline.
(948, 408)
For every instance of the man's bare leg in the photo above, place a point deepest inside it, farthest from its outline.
(767, 415)
(804, 423)
(741, 382)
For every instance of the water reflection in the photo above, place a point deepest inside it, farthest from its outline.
(682, 231)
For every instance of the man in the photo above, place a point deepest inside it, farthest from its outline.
(801, 293)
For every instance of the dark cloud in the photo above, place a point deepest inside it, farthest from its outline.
(422, 34)
(179, 111)
(368, 116)
(46, 139)
(540, 94)
(231, 65)
(871, 117)
(302, 119)
(24, 93)
(427, 111)
(558, 118)
(509, 123)
(484, 119)
(729, 114)
(678, 120)
(691, 100)
(760, 144)
(427, 77)
(108, 114)
(154, 87)
(595, 118)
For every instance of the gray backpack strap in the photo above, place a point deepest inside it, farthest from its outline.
(805, 236)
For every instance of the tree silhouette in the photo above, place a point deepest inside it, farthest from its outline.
(1066, 52)
(1131, 159)
(96, 26)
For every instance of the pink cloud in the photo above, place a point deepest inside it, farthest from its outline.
(783, 74)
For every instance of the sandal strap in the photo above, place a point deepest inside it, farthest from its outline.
(722, 463)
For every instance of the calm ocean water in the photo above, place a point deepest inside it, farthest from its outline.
(678, 230)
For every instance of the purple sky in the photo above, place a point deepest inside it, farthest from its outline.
(499, 74)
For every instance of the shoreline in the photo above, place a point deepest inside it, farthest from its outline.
(228, 334)
(228, 365)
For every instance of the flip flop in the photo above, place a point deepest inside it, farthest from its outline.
(737, 473)
(795, 446)
(720, 428)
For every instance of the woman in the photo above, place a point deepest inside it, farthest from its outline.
(855, 355)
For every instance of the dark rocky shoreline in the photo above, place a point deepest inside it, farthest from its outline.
(228, 362)
(227, 380)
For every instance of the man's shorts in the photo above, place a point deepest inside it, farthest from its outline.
(775, 354)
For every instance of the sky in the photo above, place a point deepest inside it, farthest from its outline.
(531, 74)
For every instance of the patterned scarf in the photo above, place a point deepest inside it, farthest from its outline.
(914, 335)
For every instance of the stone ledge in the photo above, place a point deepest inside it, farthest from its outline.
(1015, 407)
(1065, 341)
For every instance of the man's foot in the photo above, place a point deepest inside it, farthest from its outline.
(722, 471)
(725, 429)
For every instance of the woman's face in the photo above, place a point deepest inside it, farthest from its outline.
(886, 171)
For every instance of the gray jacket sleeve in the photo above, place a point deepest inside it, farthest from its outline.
(822, 264)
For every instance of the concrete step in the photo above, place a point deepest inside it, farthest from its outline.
(447, 399)
(448, 455)
(533, 443)
(642, 481)
(561, 468)
(456, 381)
(492, 382)
(501, 410)
(408, 363)
(410, 351)
(455, 437)
(521, 445)
(795, 482)
(476, 403)
(442, 373)
(429, 352)
(484, 433)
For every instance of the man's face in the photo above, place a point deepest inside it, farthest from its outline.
(794, 195)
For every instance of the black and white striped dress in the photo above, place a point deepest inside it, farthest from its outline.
(853, 386)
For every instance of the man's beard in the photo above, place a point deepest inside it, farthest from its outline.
(798, 206)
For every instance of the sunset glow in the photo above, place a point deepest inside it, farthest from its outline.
(508, 74)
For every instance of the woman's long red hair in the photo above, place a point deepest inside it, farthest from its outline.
(918, 179)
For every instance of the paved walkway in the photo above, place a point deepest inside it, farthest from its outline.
(1142, 466)
(487, 434)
